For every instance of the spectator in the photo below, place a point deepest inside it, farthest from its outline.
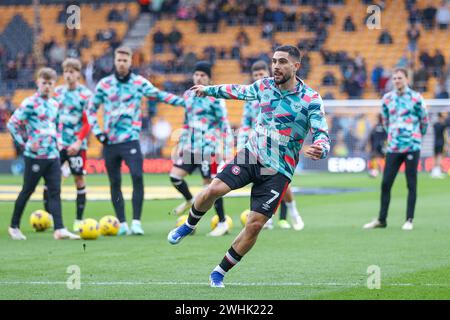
(349, 26)
(177, 50)
(426, 59)
(114, 15)
(236, 50)
(267, 32)
(440, 91)
(328, 96)
(290, 20)
(7, 101)
(158, 41)
(251, 12)
(189, 60)
(329, 79)
(210, 54)
(429, 15)
(267, 15)
(353, 88)
(11, 70)
(242, 38)
(89, 74)
(377, 74)
(4, 116)
(278, 17)
(385, 38)
(321, 35)
(403, 62)
(414, 15)
(438, 63)
(443, 15)
(175, 36)
(212, 18)
(84, 42)
(144, 5)
(421, 79)
(47, 46)
(413, 35)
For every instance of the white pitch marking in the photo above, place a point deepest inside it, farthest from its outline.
(241, 284)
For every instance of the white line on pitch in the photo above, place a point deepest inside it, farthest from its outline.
(242, 284)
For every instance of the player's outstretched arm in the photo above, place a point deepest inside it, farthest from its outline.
(229, 91)
(150, 91)
(319, 130)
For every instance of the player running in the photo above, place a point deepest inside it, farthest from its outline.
(289, 110)
(73, 100)
(405, 119)
(35, 127)
(205, 126)
(260, 70)
(121, 94)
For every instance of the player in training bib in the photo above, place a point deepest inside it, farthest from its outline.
(260, 70)
(73, 100)
(205, 127)
(35, 127)
(121, 94)
(289, 110)
(405, 119)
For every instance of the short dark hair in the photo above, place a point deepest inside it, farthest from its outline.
(402, 70)
(260, 65)
(291, 50)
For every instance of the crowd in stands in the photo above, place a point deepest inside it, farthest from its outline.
(353, 79)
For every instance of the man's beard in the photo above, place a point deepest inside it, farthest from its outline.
(283, 80)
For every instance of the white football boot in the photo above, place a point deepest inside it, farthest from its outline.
(62, 234)
(16, 234)
(408, 225)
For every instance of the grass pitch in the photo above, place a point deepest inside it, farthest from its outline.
(327, 260)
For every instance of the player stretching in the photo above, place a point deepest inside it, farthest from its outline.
(121, 94)
(260, 70)
(289, 110)
(205, 123)
(35, 127)
(73, 100)
(405, 119)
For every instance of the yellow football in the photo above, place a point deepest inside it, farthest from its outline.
(109, 226)
(244, 216)
(89, 229)
(41, 220)
(215, 221)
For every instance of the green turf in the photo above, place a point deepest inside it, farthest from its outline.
(327, 260)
